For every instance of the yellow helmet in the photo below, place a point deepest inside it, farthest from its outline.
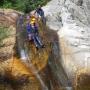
(32, 22)
(33, 19)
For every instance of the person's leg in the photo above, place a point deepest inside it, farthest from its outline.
(39, 40)
(29, 37)
(36, 42)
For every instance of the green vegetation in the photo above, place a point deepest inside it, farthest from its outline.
(3, 34)
(22, 5)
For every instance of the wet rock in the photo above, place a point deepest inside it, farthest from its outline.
(73, 35)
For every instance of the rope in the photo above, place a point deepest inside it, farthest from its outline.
(12, 62)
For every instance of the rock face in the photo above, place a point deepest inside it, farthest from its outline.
(8, 20)
(71, 20)
(15, 70)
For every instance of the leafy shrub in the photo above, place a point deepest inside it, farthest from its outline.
(22, 5)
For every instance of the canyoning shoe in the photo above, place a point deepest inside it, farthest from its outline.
(37, 48)
(43, 46)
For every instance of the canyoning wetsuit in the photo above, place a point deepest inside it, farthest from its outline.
(29, 31)
(34, 35)
(41, 13)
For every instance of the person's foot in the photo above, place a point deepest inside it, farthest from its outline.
(37, 48)
(43, 46)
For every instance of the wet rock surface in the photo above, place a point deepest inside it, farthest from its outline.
(72, 27)
(31, 73)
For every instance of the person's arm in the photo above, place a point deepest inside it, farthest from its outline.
(36, 11)
(28, 28)
(42, 12)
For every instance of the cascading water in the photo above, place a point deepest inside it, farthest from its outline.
(24, 55)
